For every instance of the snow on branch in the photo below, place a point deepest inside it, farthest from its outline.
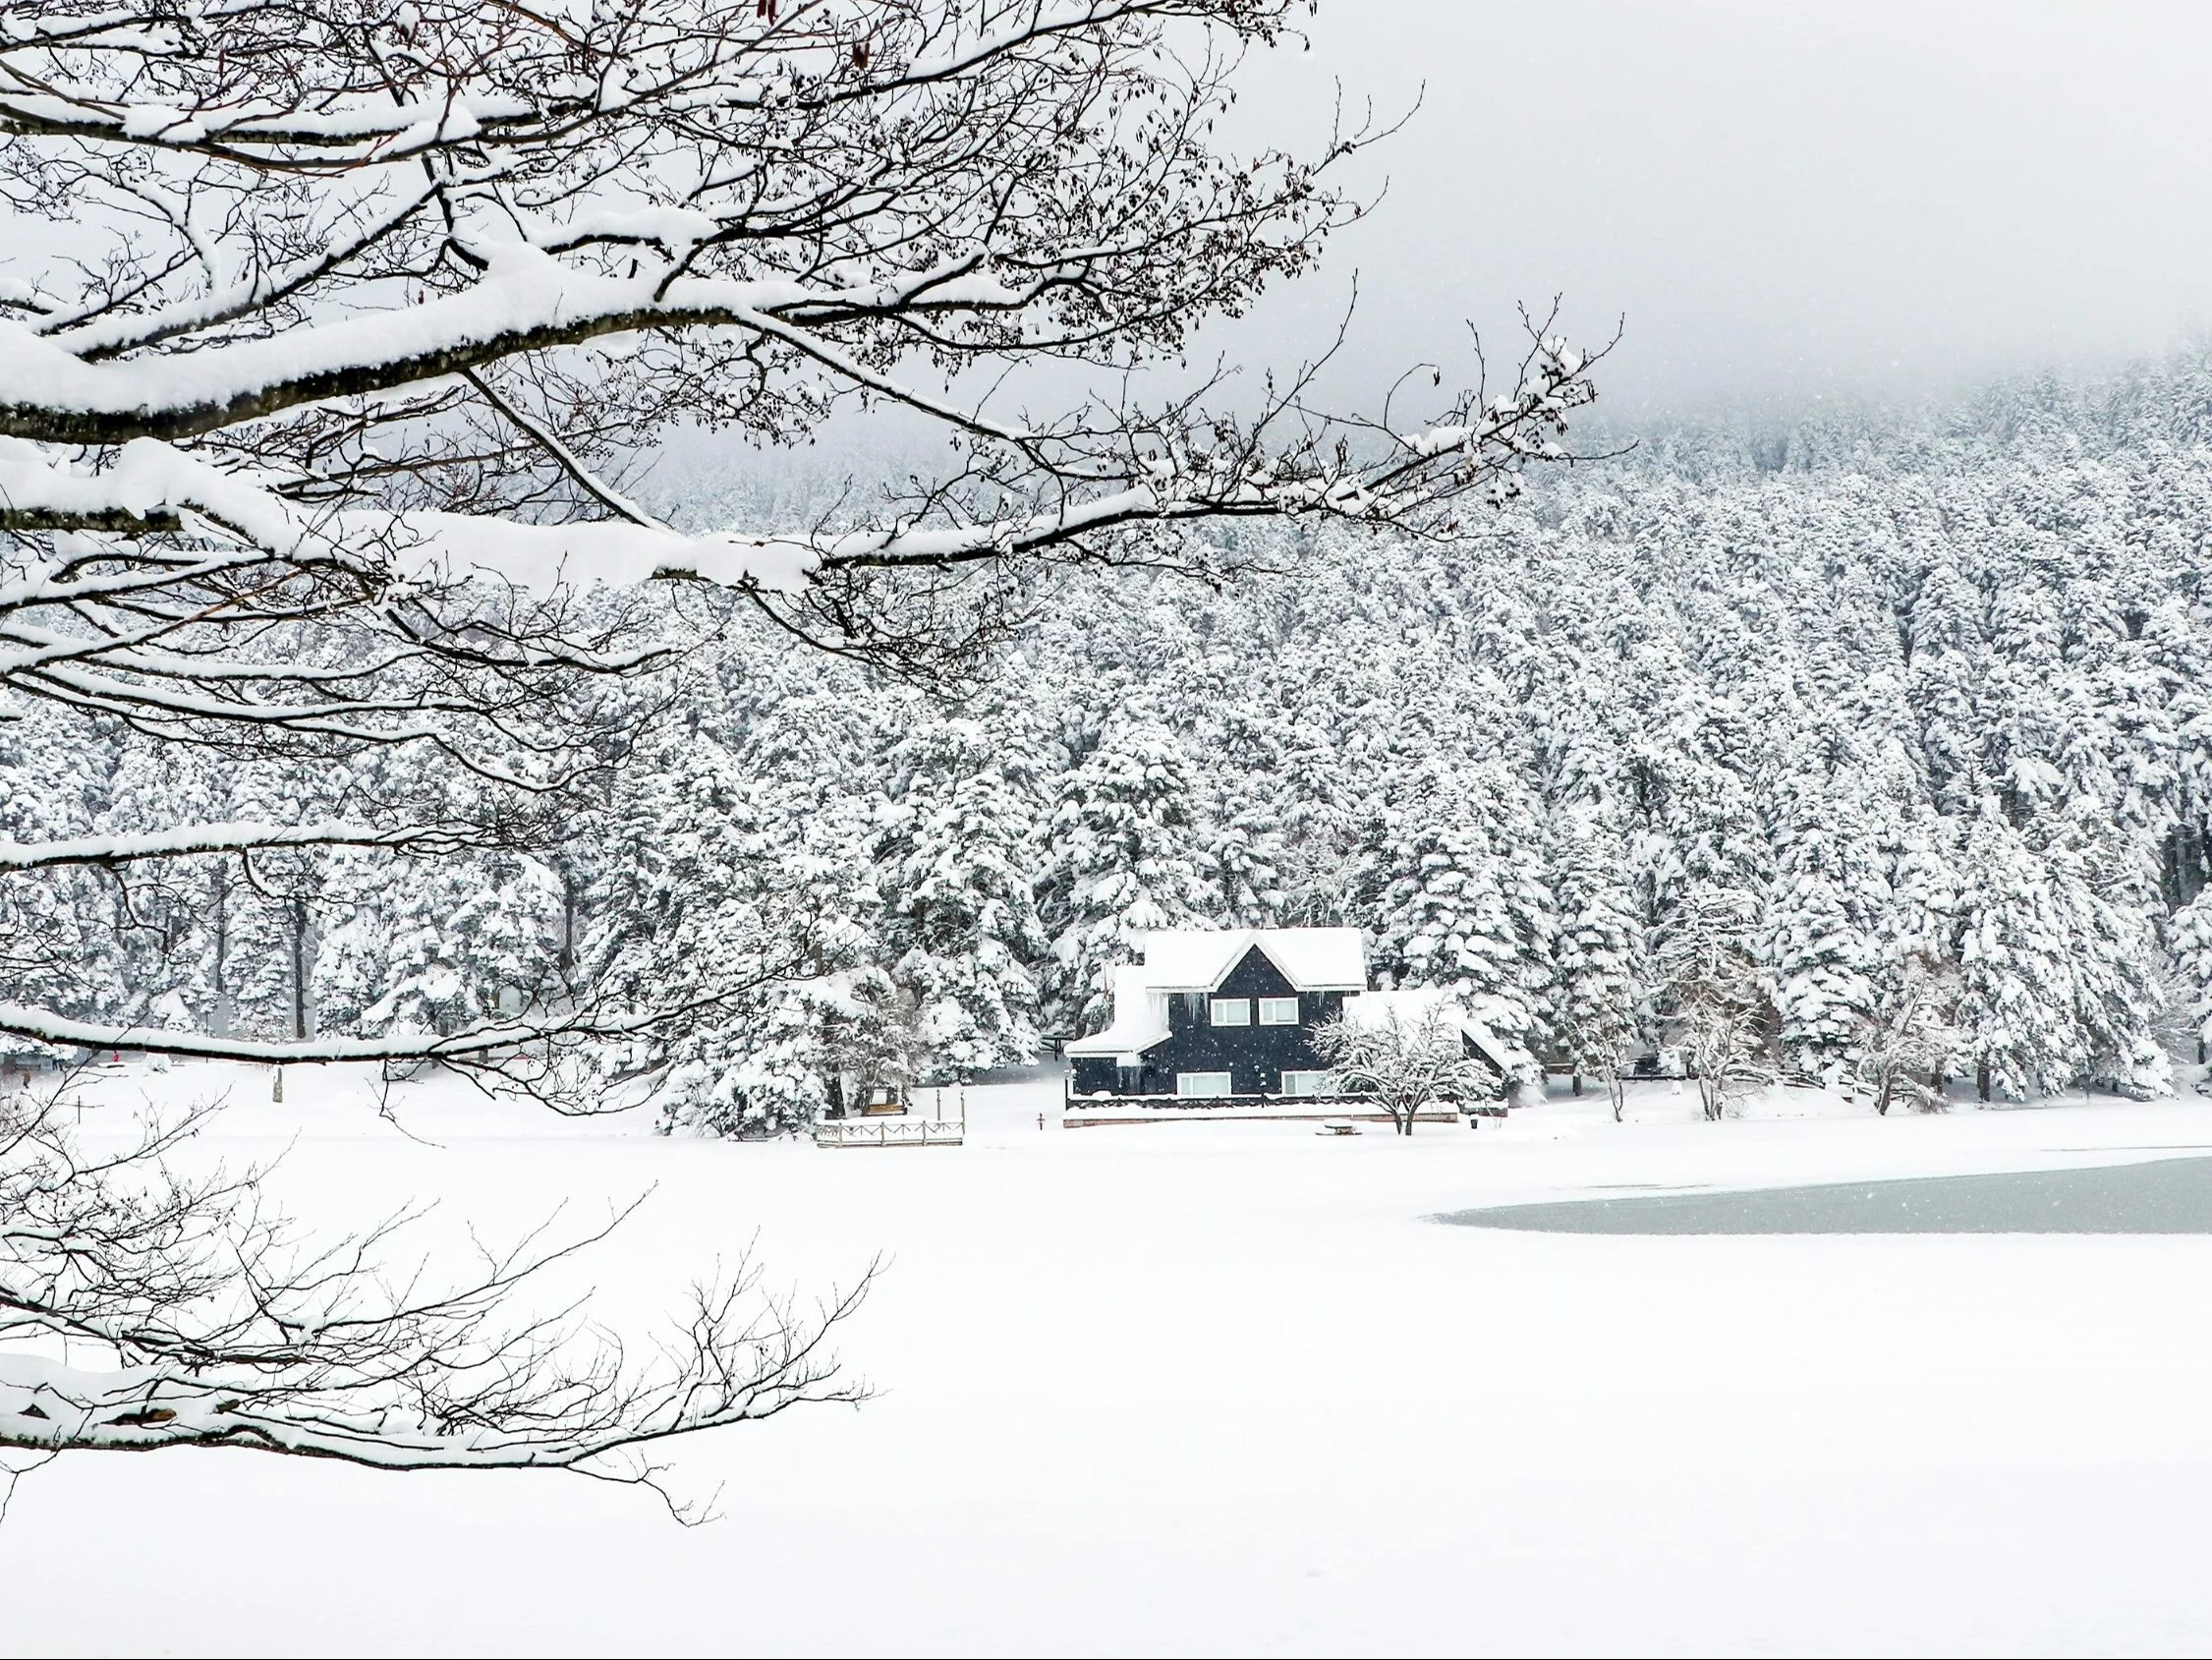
(193, 841)
(216, 1323)
(473, 1048)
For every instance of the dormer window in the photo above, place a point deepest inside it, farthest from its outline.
(1231, 1011)
(1279, 1012)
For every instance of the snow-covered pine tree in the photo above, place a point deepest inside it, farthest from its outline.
(1122, 855)
(2102, 899)
(2189, 945)
(1243, 840)
(1818, 940)
(436, 945)
(959, 918)
(1243, 849)
(2016, 981)
(1947, 661)
(60, 941)
(1597, 979)
(1447, 907)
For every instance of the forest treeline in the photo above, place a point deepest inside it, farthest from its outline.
(1876, 749)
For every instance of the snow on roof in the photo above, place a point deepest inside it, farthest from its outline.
(1416, 1003)
(1140, 1017)
(1312, 959)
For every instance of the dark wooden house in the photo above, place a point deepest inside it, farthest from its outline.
(1221, 1013)
(1227, 1015)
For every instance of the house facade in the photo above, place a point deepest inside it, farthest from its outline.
(1222, 1014)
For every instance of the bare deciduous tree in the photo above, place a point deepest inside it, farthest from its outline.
(1714, 997)
(143, 1310)
(1406, 1061)
(329, 328)
(1910, 1036)
(1598, 1044)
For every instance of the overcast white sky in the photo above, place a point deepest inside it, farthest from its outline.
(1785, 200)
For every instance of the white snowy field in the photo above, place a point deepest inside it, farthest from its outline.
(1224, 1390)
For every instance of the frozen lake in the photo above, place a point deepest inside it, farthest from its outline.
(2166, 1196)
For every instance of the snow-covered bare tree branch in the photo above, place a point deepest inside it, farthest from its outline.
(1407, 1062)
(143, 1309)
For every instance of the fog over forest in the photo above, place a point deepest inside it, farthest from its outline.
(1787, 205)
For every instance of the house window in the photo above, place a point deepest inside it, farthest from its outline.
(1308, 1083)
(1279, 1012)
(1232, 1011)
(1200, 1084)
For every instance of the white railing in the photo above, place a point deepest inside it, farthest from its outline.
(889, 1132)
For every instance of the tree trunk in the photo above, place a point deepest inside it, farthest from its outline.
(1578, 1083)
(1882, 1096)
(299, 944)
(572, 893)
(1981, 1079)
(220, 1015)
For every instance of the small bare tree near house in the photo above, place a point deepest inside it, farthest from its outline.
(1910, 1037)
(1715, 1000)
(1597, 1046)
(142, 1310)
(1403, 1063)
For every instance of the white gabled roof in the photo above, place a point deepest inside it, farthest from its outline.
(1312, 959)
(1197, 960)
(1416, 1003)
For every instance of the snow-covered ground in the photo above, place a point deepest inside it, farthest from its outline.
(1224, 1389)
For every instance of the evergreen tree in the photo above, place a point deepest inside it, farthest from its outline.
(2016, 986)
(1123, 857)
(2189, 943)
(960, 926)
(60, 931)
(1597, 979)
(1819, 942)
(1443, 901)
(1244, 853)
(2119, 994)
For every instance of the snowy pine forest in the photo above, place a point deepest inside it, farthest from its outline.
(1890, 738)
